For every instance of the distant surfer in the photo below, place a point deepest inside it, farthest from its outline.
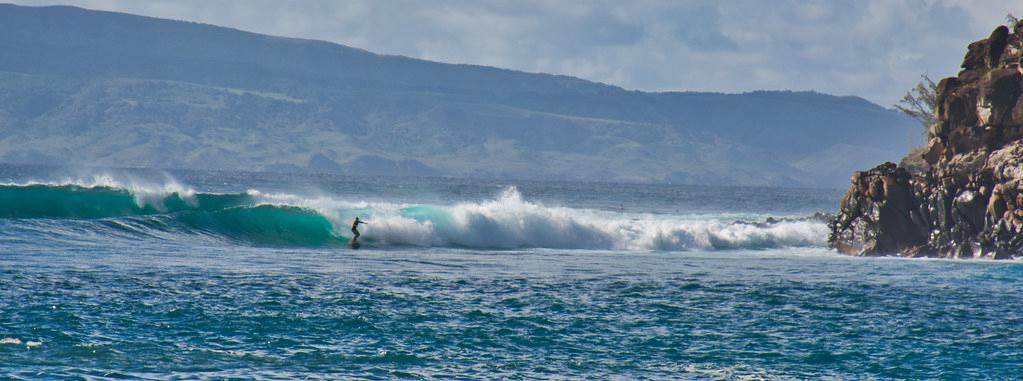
(355, 229)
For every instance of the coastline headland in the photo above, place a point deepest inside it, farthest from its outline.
(967, 200)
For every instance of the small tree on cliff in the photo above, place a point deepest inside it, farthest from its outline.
(1012, 20)
(920, 102)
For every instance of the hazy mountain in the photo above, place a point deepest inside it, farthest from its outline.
(84, 87)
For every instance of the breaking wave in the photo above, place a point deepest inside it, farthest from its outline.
(505, 222)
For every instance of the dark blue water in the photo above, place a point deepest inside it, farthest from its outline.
(192, 292)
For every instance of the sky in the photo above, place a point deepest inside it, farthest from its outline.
(876, 49)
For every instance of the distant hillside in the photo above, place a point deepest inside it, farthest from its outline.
(85, 87)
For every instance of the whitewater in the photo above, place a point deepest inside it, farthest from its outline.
(214, 275)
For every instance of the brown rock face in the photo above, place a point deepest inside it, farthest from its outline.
(871, 219)
(968, 202)
(1000, 92)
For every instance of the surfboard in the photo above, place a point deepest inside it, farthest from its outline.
(355, 244)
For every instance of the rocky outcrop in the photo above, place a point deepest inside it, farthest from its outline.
(967, 201)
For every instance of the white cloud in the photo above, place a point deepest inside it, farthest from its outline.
(873, 48)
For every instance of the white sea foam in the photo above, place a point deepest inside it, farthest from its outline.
(508, 221)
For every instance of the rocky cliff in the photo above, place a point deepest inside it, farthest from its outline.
(967, 202)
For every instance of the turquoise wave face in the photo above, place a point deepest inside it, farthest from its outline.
(80, 202)
(236, 217)
(267, 225)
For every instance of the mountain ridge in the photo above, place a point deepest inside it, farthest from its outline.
(451, 119)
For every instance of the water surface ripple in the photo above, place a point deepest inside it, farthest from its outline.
(263, 313)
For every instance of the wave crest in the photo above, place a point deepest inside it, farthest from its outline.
(506, 222)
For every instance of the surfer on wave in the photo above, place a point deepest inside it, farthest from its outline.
(355, 229)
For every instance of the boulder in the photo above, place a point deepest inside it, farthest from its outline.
(875, 216)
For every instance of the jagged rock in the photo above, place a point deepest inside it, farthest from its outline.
(871, 220)
(1000, 92)
(959, 107)
(976, 54)
(916, 160)
(934, 150)
(996, 45)
(967, 202)
(1017, 112)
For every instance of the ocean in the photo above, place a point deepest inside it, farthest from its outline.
(145, 274)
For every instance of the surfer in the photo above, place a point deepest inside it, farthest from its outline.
(355, 229)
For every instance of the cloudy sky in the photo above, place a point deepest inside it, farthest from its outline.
(872, 48)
